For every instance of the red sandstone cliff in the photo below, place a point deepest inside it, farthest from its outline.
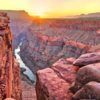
(9, 70)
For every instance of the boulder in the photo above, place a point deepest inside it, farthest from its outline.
(51, 87)
(86, 74)
(54, 83)
(88, 58)
(90, 91)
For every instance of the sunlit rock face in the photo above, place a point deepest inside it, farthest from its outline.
(9, 69)
(54, 83)
(64, 80)
(87, 83)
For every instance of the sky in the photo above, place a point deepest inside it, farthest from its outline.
(52, 8)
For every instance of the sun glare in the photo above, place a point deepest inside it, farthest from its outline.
(41, 14)
(52, 8)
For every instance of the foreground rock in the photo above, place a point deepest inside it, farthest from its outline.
(87, 74)
(65, 70)
(54, 83)
(9, 69)
(86, 59)
(52, 87)
(90, 91)
(64, 81)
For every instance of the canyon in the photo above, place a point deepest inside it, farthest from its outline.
(58, 58)
(49, 40)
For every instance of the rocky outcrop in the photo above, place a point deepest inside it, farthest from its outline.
(19, 22)
(90, 91)
(87, 83)
(54, 83)
(66, 81)
(86, 59)
(9, 70)
(87, 74)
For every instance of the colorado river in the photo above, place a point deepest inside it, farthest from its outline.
(28, 72)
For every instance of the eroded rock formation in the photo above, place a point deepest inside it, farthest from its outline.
(65, 81)
(90, 91)
(9, 70)
(54, 83)
(86, 59)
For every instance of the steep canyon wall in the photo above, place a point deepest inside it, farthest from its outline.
(9, 69)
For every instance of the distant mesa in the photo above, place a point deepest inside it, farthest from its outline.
(14, 14)
(90, 15)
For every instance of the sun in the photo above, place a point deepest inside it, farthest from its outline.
(41, 14)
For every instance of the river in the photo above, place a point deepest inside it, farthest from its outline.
(28, 72)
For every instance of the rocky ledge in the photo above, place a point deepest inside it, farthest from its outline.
(70, 79)
(9, 69)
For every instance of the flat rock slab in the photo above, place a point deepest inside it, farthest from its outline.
(88, 58)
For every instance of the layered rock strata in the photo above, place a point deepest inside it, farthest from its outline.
(9, 70)
(48, 40)
(43, 51)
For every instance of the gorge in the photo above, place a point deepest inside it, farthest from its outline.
(27, 71)
(59, 59)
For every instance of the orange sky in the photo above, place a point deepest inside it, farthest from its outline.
(52, 8)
